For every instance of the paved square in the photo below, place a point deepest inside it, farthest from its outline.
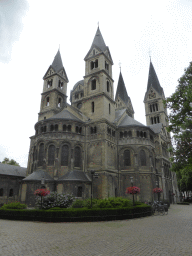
(157, 235)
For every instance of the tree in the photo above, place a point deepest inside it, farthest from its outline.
(11, 162)
(180, 118)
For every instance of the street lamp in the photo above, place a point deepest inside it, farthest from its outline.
(92, 173)
(158, 194)
(132, 191)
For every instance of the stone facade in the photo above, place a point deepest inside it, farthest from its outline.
(98, 132)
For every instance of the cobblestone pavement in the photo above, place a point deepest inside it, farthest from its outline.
(156, 235)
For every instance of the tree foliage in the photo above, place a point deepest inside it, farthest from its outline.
(180, 118)
(11, 162)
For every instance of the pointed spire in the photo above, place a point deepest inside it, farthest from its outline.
(57, 62)
(153, 80)
(121, 90)
(99, 41)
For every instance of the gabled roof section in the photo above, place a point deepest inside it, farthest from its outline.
(99, 43)
(153, 80)
(75, 176)
(129, 121)
(121, 90)
(57, 65)
(39, 175)
(13, 170)
(65, 115)
(156, 127)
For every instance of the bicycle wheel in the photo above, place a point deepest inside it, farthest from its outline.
(161, 211)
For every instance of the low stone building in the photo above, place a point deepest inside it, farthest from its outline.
(98, 132)
(10, 180)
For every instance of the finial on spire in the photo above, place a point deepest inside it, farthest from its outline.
(150, 54)
(98, 23)
(120, 65)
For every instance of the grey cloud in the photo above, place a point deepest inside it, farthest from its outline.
(11, 14)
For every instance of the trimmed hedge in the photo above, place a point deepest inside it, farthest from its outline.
(82, 214)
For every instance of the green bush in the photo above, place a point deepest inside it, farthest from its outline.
(16, 205)
(112, 202)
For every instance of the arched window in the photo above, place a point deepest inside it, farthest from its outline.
(109, 108)
(125, 134)
(41, 129)
(51, 155)
(44, 129)
(92, 107)
(127, 159)
(79, 191)
(108, 86)
(143, 158)
(52, 128)
(141, 134)
(138, 134)
(41, 154)
(93, 84)
(151, 120)
(64, 127)
(96, 64)
(69, 128)
(11, 192)
(77, 156)
(56, 127)
(59, 102)
(47, 101)
(64, 155)
(121, 134)
(1, 191)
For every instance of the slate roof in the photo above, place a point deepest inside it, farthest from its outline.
(121, 90)
(12, 170)
(66, 115)
(129, 121)
(153, 80)
(80, 82)
(118, 114)
(156, 127)
(75, 176)
(57, 62)
(99, 41)
(38, 175)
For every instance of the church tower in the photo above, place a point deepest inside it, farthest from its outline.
(155, 110)
(53, 98)
(122, 99)
(98, 99)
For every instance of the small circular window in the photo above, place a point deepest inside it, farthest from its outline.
(79, 105)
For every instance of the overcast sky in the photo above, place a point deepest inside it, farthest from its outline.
(31, 32)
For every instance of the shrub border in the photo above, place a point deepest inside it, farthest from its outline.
(77, 215)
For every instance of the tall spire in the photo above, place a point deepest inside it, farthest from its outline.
(99, 41)
(57, 62)
(153, 80)
(121, 90)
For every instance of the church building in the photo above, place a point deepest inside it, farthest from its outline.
(96, 139)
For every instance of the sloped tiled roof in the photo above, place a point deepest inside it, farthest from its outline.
(80, 82)
(99, 41)
(121, 90)
(153, 80)
(57, 62)
(66, 115)
(12, 170)
(38, 175)
(118, 114)
(75, 176)
(156, 127)
(129, 121)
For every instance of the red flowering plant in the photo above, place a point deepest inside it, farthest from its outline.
(132, 190)
(157, 190)
(41, 192)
